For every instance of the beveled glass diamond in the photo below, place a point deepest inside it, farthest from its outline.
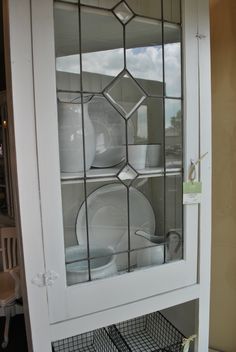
(127, 175)
(125, 94)
(123, 12)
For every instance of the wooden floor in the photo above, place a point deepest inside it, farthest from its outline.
(17, 335)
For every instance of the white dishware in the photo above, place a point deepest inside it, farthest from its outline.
(71, 137)
(103, 265)
(137, 155)
(109, 133)
(153, 155)
(107, 215)
(150, 256)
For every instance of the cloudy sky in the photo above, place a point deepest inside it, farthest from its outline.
(144, 63)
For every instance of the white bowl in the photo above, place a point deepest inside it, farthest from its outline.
(103, 265)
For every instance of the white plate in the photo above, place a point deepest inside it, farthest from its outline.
(108, 217)
(109, 131)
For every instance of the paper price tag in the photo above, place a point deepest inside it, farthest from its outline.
(192, 192)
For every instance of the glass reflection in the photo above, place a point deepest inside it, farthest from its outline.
(174, 218)
(107, 215)
(66, 29)
(125, 94)
(107, 4)
(146, 136)
(147, 212)
(102, 53)
(173, 133)
(144, 53)
(149, 8)
(123, 12)
(72, 200)
(110, 133)
(151, 256)
(172, 54)
(172, 10)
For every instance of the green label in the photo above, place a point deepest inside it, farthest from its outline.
(192, 187)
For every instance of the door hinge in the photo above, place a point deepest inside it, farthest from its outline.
(45, 279)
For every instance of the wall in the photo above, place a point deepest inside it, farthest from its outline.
(223, 286)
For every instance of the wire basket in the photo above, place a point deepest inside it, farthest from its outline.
(149, 333)
(94, 341)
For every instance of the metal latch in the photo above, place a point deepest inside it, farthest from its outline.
(200, 36)
(45, 279)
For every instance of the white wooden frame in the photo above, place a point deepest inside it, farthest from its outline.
(138, 285)
(23, 102)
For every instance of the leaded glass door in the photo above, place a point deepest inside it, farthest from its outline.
(126, 96)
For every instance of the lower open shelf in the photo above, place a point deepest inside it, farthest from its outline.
(148, 333)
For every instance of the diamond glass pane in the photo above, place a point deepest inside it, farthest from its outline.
(144, 53)
(123, 12)
(125, 94)
(127, 175)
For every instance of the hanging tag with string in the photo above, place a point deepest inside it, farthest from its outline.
(192, 188)
(187, 342)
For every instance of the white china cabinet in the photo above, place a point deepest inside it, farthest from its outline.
(114, 112)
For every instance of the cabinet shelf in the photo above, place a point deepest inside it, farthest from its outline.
(109, 174)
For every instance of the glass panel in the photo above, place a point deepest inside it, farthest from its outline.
(123, 12)
(147, 212)
(150, 256)
(69, 1)
(107, 217)
(121, 259)
(174, 218)
(173, 133)
(74, 135)
(144, 53)
(172, 10)
(110, 133)
(127, 175)
(66, 29)
(102, 50)
(108, 4)
(72, 200)
(125, 94)
(146, 129)
(121, 209)
(149, 8)
(172, 53)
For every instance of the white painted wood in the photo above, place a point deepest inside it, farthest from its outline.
(205, 171)
(63, 300)
(26, 154)
(121, 313)
(48, 157)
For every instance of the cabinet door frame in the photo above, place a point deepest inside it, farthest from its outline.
(140, 284)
